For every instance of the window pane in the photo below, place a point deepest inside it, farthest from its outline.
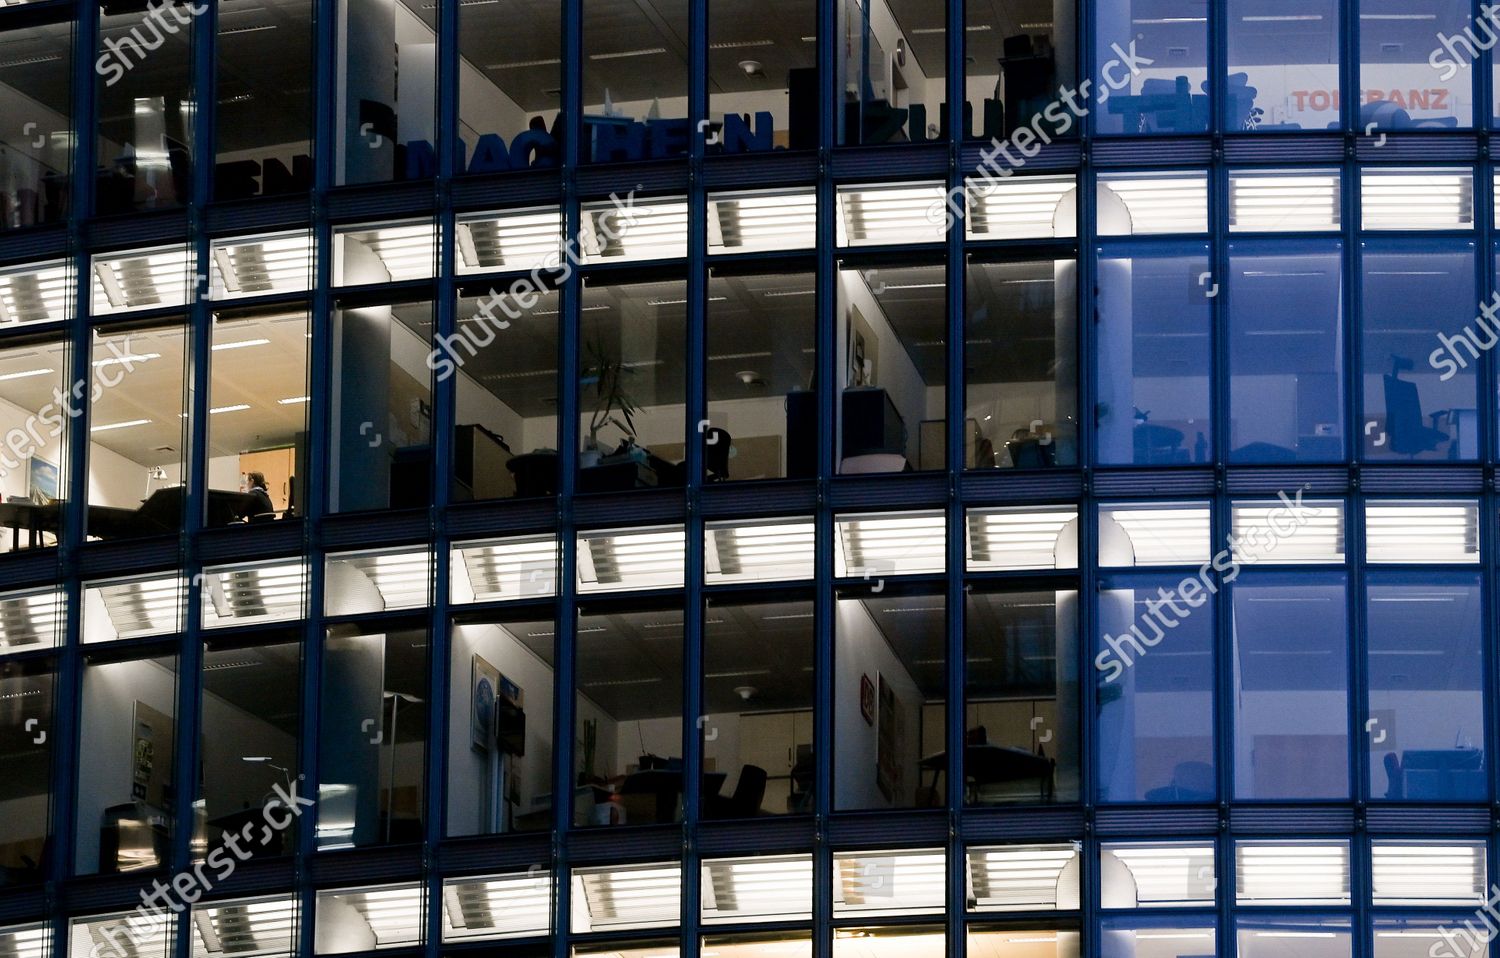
(1422, 531)
(763, 888)
(1155, 324)
(264, 95)
(1136, 938)
(1138, 204)
(882, 883)
(1023, 537)
(758, 550)
(38, 145)
(632, 386)
(1272, 531)
(635, 82)
(1156, 689)
(505, 906)
(1428, 872)
(1283, 65)
(763, 75)
(372, 737)
(369, 919)
(1416, 198)
(32, 619)
(1285, 352)
(501, 569)
(1020, 362)
(1423, 937)
(251, 704)
(26, 690)
(36, 293)
(144, 101)
(257, 425)
(889, 699)
(1284, 201)
(891, 69)
(1291, 872)
(126, 798)
(509, 85)
(505, 437)
(758, 695)
(1021, 709)
(1154, 533)
(1291, 717)
(1022, 942)
(265, 927)
(1157, 874)
(629, 715)
(1426, 719)
(1401, 90)
(1017, 52)
(627, 896)
(32, 434)
(1023, 877)
(1022, 207)
(753, 220)
(387, 91)
(382, 407)
(1169, 96)
(133, 608)
(762, 409)
(138, 431)
(894, 543)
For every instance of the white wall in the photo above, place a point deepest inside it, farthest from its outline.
(894, 370)
(860, 649)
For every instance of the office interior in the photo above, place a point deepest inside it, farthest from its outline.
(26, 703)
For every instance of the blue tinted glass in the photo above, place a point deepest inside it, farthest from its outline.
(1154, 330)
(1426, 718)
(1158, 938)
(1400, 89)
(1285, 352)
(1419, 308)
(1291, 676)
(1155, 690)
(1283, 65)
(1171, 94)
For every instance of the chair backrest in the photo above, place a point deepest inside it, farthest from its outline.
(716, 452)
(1403, 415)
(750, 790)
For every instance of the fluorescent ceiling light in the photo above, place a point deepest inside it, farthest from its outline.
(1024, 877)
(653, 228)
(618, 897)
(292, 400)
(264, 592)
(1422, 531)
(1319, 538)
(27, 374)
(763, 220)
(1416, 199)
(621, 54)
(107, 427)
(500, 569)
(253, 927)
(758, 551)
(889, 883)
(237, 407)
(31, 619)
(149, 279)
(871, 546)
(402, 578)
(509, 240)
(36, 293)
(393, 912)
(131, 358)
(768, 888)
(1156, 535)
(240, 344)
(1156, 203)
(137, 607)
(1022, 207)
(258, 265)
(1427, 873)
(503, 906)
(1300, 873)
(1162, 874)
(26, 941)
(405, 251)
(882, 215)
(624, 559)
(1022, 537)
(1302, 201)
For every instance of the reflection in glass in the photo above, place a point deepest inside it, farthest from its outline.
(263, 136)
(892, 65)
(36, 156)
(509, 85)
(26, 698)
(635, 82)
(1171, 94)
(1400, 87)
(144, 99)
(32, 429)
(1284, 65)
(1138, 938)
(387, 91)
(763, 75)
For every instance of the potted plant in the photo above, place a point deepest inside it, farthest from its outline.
(613, 404)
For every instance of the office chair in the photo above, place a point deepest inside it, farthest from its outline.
(716, 443)
(1403, 414)
(749, 792)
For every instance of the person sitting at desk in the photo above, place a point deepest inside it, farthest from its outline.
(263, 508)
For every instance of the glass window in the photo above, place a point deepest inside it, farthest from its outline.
(1421, 937)
(36, 293)
(381, 414)
(127, 795)
(789, 944)
(1022, 207)
(763, 888)
(635, 81)
(1287, 531)
(619, 897)
(892, 213)
(33, 423)
(257, 425)
(32, 619)
(755, 220)
(261, 265)
(1135, 937)
(1416, 198)
(373, 736)
(762, 407)
(1170, 95)
(1284, 201)
(888, 883)
(758, 692)
(1156, 326)
(1291, 872)
(1021, 708)
(1013, 941)
(892, 337)
(260, 592)
(1422, 531)
(632, 386)
(512, 239)
(1428, 872)
(889, 699)
(1425, 728)
(629, 715)
(384, 253)
(500, 569)
(138, 431)
(500, 750)
(1154, 533)
(142, 279)
(891, 71)
(369, 919)
(620, 230)
(264, 90)
(251, 704)
(1137, 204)
(1155, 672)
(761, 550)
(123, 933)
(1017, 53)
(1157, 875)
(505, 433)
(1020, 367)
(1283, 65)
(1404, 82)
(145, 109)
(894, 543)
(623, 560)
(28, 941)
(1291, 685)
(26, 742)
(265, 927)
(38, 142)
(377, 580)
(133, 608)
(387, 92)
(1432, 279)
(1007, 538)
(634, 948)
(1023, 877)
(1286, 336)
(509, 86)
(505, 906)
(763, 76)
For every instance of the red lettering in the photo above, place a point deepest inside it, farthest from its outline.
(1318, 100)
(1301, 96)
(1439, 99)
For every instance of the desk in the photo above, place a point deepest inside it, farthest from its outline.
(35, 519)
(654, 795)
(161, 514)
(988, 765)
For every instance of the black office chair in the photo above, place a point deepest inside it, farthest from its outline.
(716, 453)
(749, 792)
(1403, 415)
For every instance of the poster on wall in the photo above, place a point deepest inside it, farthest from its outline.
(485, 683)
(890, 738)
(150, 756)
(43, 477)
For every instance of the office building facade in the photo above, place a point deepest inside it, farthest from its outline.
(853, 478)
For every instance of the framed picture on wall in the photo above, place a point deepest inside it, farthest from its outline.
(485, 686)
(889, 736)
(43, 480)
